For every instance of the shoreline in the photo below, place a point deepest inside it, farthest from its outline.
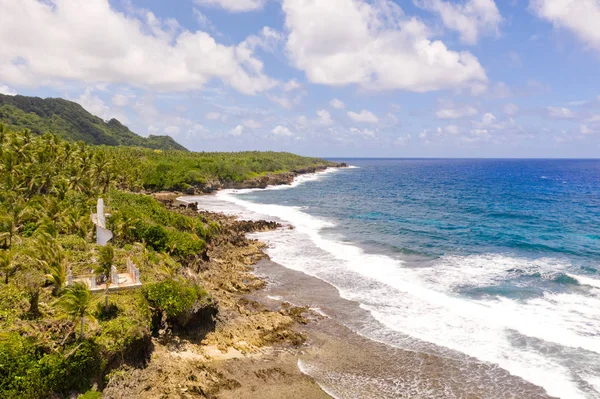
(303, 348)
(329, 336)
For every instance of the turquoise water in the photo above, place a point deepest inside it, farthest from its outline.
(496, 259)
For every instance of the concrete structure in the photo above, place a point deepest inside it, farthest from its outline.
(103, 235)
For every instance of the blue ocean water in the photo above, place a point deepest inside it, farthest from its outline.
(496, 259)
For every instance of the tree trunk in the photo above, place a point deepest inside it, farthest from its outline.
(34, 303)
(81, 334)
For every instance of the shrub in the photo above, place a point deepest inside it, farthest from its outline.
(173, 297)
(26, 374)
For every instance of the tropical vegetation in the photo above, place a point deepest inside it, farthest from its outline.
(57, 339)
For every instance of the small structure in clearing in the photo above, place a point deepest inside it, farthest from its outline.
(116, 281)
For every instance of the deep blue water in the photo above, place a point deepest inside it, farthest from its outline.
(497, 259)
(532, 208)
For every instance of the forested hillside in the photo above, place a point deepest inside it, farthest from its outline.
(72, 122)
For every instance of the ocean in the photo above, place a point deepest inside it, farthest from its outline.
(497, 260)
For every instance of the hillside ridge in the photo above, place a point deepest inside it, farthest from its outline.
(72, 122)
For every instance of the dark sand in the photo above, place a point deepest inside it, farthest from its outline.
(347, 365)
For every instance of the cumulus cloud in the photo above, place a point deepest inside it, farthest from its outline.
(585, 129)
(374, 45)
(577, 16)
(403, 140)
(449, 110)
(471, 18)
(233, 5)
(560, 113)
(84, 41)
(237, 131)
(94, 104)
(282, 131)
(292, 85)
(324, 117)
(337, 104)
(7, 90)
(363, 116)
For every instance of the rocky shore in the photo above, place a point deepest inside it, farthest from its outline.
(249, 350)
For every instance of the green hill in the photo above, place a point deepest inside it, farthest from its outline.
(72, 122)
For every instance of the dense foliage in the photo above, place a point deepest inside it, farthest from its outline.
(48, 188)
(173, 297)
(71, 122)
(176, 170)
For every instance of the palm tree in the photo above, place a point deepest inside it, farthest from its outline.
(77, 303)
(57, 275)
(52, 259)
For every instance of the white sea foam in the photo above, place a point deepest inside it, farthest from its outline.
(592, 282)
(530, 338)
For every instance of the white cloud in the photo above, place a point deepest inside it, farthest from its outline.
(84, 41)
(510, 109)
(251, 124)
(403, 140)
(363, 116)
(282, 131)
(585, 129)
(120, 100)
(324, 117)
(268, 39)
(488, 119)
(374, 45)
(450, 129)
(337, 104)
(368, 133)
(7, 90)
(233, 5)
(292, 85)
(285, 102)
(93, 104)
(560, 112)
(471, 18)
(578, 16)
(451, 111)
(237, 131)
(172, 130)
(594, 118)
(213, 116)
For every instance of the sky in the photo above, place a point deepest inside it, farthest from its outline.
(330, 78)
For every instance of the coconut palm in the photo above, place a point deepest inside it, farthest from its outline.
(76, 302)
(52, 259)
(57, 276)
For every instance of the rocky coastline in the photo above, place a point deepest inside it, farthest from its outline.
(235, 347)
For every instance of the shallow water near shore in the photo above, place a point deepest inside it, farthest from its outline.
(489, 265)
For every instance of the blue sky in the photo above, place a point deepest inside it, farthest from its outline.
(380, 78)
